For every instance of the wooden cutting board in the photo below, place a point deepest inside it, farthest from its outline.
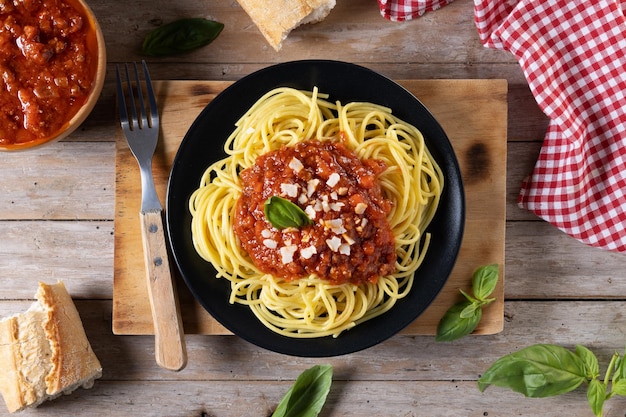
(472, 112)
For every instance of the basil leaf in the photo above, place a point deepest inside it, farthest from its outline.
(180, 36)
(469, 310)
(469, 297)
(596, 395)
(590, 360)
(619, 387)
(453, 325)
(484, 281)
(282, 213)
(308, 394)
(621, 367)
(537, 371)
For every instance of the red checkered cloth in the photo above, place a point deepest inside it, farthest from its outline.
(573, 54)
(401, 10)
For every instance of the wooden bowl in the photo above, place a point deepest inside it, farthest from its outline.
(68, 120)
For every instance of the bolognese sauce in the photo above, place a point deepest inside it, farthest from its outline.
(48, 62)
(350, 239)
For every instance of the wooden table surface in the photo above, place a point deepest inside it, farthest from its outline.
(57, 222)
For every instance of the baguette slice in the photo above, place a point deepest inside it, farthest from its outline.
(44, 351)
(277, 18)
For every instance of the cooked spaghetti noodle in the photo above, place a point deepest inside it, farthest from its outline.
(312, 306)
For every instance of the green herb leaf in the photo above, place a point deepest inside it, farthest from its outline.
(469, 310)
(308, 394)
(537, 371)
(592, 367)
(619, 369)
(619, 387)
(453, 326)
(596, 395)
(469, 298)
(484, 281)
(282, 213)
(180, 36)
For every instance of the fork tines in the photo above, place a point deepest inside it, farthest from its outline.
(135, 91)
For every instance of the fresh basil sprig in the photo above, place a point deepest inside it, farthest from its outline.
(462, 318)
(546, 370)
(282, 213)
(308, 394)
(180, 36)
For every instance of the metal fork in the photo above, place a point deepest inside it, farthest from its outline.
(141, 129)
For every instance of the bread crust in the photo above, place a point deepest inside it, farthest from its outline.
(44, 352)
(9, 386)
(73, 359)
(277, 18)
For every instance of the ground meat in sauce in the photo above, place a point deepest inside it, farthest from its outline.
(351, 239)
(46, 70)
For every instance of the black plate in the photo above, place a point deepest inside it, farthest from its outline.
(203, 144)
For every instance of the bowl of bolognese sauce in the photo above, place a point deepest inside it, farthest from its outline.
(52, 67)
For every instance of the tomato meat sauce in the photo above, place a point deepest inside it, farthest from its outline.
(350, 239)
(48, 62)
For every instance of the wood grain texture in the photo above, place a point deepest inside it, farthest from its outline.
(57, 214)
(480, 146)
(169, 336)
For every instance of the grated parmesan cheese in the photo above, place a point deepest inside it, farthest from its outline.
(296, 165)
(310, 211)
(308, 252)
(333, 179)
(312, 186)
(287, 252)
(333, 243)
(290, 190)
(270, 243)
(325, 204)
(360, 208)
(336, 225)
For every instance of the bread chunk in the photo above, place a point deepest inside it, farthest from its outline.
(277, 18)
(44, 351)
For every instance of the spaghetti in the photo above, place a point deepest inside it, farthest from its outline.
(312, 306)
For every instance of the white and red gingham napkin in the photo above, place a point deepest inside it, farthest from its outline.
(573, 54)
(401, 10)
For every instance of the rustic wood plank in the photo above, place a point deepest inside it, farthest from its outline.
(406, 70)
(80, 253)
(543, 262)
(63, 228)
(346, 398)
(366, 37)
(227, 357)
(214, 357)
(521, 159)
(560, 268)
(37, 185)
(58, 181)
(438, 377)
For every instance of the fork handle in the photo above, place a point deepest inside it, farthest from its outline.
(169, 337)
